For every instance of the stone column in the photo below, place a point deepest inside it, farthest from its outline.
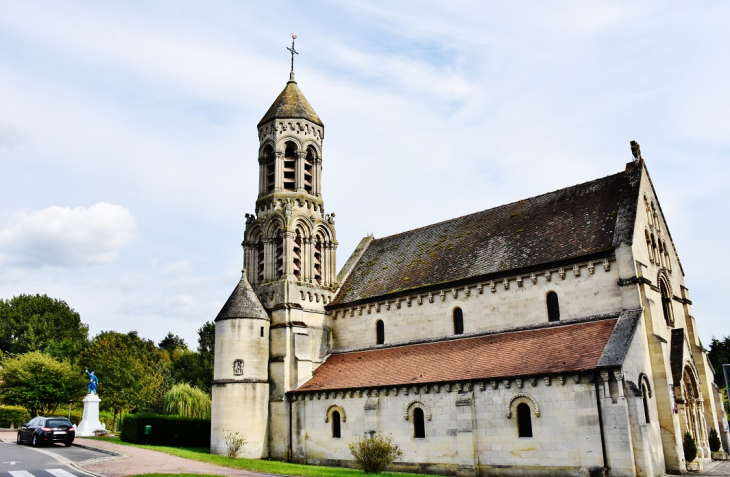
(288, 238)
(333, 263)
(269, 259)
(317, 177)
(299, 175)
(279, 171)
(306, 262)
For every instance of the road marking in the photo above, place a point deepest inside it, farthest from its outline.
(21, 473)
(60, 473)
(12, 462)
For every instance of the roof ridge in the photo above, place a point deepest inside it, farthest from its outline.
(582, 184)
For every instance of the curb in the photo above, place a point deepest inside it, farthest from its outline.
(99, 449)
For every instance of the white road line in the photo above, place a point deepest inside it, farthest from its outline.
(20, 473)
(60, 473)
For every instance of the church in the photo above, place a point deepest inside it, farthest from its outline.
(549, 336)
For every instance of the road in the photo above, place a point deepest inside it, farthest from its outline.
(55, 460)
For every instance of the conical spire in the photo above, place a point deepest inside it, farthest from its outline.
(243, 303)
(291, 104)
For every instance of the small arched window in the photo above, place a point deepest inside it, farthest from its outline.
(648, 246)
(419, 426)
(458, 321)
(524, 420)
(654, 249)
(666, 303)
(667, 263)
(336, 425)
(645, 399)
(379, 332)
(553, 307)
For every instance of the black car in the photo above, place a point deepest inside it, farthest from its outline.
(44, 430)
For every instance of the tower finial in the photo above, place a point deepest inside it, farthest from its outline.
(293, 52)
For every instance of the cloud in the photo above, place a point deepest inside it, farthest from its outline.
(11, 136)
(66, 237)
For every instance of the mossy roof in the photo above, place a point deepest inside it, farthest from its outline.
(578, 221)
(291, 104)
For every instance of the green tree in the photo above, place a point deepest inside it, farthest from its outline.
(171, 343)
(187, 401)
(131, 374)
(719, 354)
(206, 351)
(39, 383)
(40, 323)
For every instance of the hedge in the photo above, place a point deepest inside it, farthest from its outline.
(13, 415)
(166, 430)
(105, 417)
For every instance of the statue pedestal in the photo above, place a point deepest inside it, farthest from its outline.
(90, 420)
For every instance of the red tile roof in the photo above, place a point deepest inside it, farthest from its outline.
(555, 349)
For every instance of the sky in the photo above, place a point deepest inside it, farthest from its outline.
(128, 144)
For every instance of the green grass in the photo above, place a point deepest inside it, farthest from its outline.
(265, 466)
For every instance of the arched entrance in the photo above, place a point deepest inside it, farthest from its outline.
(693, 411)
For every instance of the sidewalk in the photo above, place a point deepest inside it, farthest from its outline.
(136, 461)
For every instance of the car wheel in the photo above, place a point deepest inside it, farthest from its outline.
(34, 442)
(67, 444)
(20, 441)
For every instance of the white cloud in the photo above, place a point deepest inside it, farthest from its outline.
(62, 236)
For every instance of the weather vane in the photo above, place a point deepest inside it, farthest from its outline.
(292, 50)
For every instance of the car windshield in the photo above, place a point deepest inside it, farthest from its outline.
(58, 422)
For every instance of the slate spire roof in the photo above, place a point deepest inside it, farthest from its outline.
(585, 220)
(243, 303)
(291, 104)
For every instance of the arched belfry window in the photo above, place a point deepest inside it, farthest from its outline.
(379, 332)
(666, 303)
(419, 425)
(290, 166)
(336, 425)
(458, 321)
(297, 255)
(524, 420)
(279, 256)
(553, 306)
(260, 261)
(269, 169)
(648, 246)
(309, 171)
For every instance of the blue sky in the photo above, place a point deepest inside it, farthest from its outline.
(128, 131)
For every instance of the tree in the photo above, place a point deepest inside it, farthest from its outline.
(206, 350)
(719, 354)
(39, 383)
(40, 323)
(131, 374)
(171, 343)
(187, 401)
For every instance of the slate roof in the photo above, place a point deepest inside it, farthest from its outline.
(291, 104)
(578, 221)
(554, 349)
(243, 303)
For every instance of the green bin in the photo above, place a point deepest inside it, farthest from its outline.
(147, 430)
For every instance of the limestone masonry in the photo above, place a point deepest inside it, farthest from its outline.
(550, 336)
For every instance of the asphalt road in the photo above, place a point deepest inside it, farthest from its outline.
(55, 460)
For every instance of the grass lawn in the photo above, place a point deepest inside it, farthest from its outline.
(265, 466)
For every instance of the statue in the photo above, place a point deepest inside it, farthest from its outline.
(93, 382)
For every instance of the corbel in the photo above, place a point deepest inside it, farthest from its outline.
(576, 270)
(561, 272)
(533, 278)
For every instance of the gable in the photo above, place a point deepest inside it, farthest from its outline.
(579, 221)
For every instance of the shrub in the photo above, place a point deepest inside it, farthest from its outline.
(714, 440)
(16, 415)
(166, 430)
(186, 401)
(690, 447)
(235, 442)
(375, 453)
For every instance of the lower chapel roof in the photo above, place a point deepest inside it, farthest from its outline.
(555, 348)
(578, 221)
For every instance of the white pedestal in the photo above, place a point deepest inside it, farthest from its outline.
(90, 420)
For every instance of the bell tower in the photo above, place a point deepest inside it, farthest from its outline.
(289, 249)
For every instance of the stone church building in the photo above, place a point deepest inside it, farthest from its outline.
(549, 336)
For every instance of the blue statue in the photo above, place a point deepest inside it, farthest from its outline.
(93, 382)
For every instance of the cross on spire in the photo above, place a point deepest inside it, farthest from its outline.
(293, 52)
